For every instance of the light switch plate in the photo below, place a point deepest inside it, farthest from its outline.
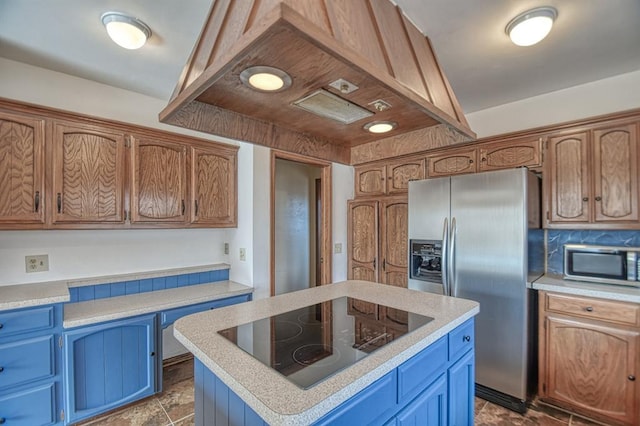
(37, 263)
(226, 248)
(243, 254)
(337, 248)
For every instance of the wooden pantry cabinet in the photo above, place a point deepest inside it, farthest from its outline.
(592, 178)
(589, 356)
(22, 193)
(61, 170)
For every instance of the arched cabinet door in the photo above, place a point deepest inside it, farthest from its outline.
(21, 168)
(109, 365)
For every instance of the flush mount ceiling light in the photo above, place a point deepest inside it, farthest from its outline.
(126, 31)
(532, 26)
(265, 79)
(380, 126)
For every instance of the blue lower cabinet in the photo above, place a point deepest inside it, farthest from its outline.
(30, 366)
(108, 365)
(428, 409)
(462, 391)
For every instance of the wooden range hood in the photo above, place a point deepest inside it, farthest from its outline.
(369, 43)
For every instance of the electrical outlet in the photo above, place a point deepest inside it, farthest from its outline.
(337, 248)
(243, 254)
(226, 248)
(38, 263)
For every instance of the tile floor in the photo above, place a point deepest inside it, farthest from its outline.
(174, 407)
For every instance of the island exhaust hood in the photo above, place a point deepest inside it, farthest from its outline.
(349, 64)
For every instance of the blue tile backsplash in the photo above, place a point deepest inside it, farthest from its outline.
(557, 238)
(102, 291)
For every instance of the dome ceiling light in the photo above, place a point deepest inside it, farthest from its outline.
(265, 79)
(532, 26)
(380, 126)
(126, 31)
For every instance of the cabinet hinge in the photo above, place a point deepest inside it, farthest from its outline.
(544, 388)
(61, 415)
(547, 214)
(126, 215)
(127, 141)
(60, 342)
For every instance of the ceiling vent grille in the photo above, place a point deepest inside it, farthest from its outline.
(328, 105)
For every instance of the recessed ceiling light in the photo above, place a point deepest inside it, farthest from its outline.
(126, 31)
(380, 126)
(265, 79)
(532, 26)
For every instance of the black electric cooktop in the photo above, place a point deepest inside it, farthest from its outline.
(310, 344)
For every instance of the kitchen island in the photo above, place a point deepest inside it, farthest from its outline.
(428, 371)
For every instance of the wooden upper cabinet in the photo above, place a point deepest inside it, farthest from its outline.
(370, 180)
(393, 178)
(214, 176)
(399, 174)
(592, 178)
(452, 162)
(88, 174)
(21, 168)
(568, 178)
(615, 169)
(158, 181)
(505, 155)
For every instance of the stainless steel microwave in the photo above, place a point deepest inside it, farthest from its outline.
(602, 264)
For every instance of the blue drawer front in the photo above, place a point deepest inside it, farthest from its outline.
(373, 405)
(25, 321)
(25, 361)
(33, 407)
(461, 340)
(422, 369)
(169, 317)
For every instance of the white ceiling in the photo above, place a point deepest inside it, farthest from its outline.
(592, 39)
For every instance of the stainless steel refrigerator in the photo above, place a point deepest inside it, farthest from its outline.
(478, 237)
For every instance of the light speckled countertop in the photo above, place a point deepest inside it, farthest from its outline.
(26, 295)
(272, 396)
(112, 308)
(551, 282)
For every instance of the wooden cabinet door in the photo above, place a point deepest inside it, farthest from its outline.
(158, 181)
(615, 169)
(568, 178)
(452, 163)
(505, 155)
(88, 174)
(399, 175)
(21, 169)
(363, 240)
(592, 368)
(370, 180)
(214, 187)
(394, 249)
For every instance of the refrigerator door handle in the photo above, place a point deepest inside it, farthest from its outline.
(444, 267)
(452, 259)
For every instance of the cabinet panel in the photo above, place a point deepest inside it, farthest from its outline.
(159, 181)
(34, 406)
(370, 180)
(363, 240)
(214, 187)
(394, 243)
(429, 408)
(452, 163)
(21, 169)
(88, 174)
(616, 173)
(26, 361)
(598, 309)
(462, 391)
(399, 175)
(589, 367)
(568, 177)
(512, 154)
(108, 365)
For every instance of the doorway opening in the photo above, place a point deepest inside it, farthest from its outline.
(300, 222)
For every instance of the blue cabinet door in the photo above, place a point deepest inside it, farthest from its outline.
(462, 390)
(428, 409)
(108, 365)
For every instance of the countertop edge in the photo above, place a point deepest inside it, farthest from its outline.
(555, 283)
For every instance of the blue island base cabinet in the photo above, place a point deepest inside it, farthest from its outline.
(434, 387)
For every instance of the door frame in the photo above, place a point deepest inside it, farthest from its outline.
(325, 175)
